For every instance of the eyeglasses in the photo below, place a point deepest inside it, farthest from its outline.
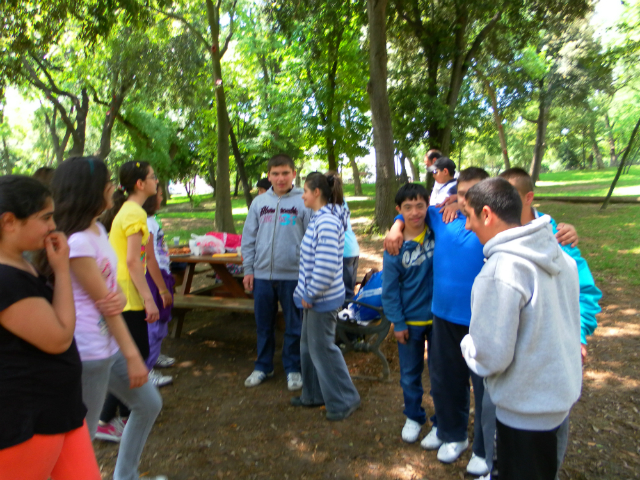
(152, 177)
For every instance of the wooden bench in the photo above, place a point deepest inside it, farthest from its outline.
(193, 301)
(183, 303)
(374, 334)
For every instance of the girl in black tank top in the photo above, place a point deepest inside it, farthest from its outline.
(41, 410)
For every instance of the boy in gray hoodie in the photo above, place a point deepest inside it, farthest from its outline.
(524, 336)
(271, 238)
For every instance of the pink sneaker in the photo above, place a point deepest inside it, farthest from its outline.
(112, 431)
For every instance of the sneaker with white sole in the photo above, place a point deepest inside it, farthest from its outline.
(411, 431)
(112, 431)
(165, 361)
(294, 381)
(256, 378)
(449, 452)
(477, 465)
(158, 379)
(157, 477)
(431, 441)
(485, 477)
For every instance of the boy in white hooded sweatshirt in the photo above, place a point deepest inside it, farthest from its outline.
(524, 332)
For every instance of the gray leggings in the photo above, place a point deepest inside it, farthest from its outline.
(145, 402)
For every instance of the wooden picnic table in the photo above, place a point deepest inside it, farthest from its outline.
(230, 296)
(219, 265)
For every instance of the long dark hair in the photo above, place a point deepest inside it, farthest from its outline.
(150, 206)
(330, 185)
(128, 176)
(22, 196)
(78, 192)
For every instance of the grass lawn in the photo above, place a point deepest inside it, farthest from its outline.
(588, 183)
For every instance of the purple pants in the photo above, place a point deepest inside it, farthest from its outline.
(160, 329)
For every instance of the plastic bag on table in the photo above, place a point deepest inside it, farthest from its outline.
(208, 244)
(231, 241)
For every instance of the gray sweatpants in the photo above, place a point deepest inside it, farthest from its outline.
(145, 403)
(325, 376)
(489, 432)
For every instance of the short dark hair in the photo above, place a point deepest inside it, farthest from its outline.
(500, 196)
(472, 173)
(523, 182)
(264, 183)
(435, 154)
(443, 163)
(279, 160)
(411, 191)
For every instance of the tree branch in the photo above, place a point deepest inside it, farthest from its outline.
(223, 50)
(54, 88)
(183, 20)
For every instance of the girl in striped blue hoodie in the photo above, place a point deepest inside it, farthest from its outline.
(320, 292)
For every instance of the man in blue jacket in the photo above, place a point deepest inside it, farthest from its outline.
(407, 281)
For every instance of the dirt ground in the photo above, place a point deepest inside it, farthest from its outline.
(211, 426)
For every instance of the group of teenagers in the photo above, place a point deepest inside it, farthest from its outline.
(80, 334)
(498, 292)
(483, 281)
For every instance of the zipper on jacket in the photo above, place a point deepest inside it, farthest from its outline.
(273, 240)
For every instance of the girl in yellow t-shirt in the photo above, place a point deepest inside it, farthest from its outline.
(129, 235)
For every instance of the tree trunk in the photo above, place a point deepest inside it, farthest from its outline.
(381, 114)
(541, 132)
(212, 175)
(109, 121)
(612, 142)
(404, 178)
(246, 185)
(621, 167)
(460, 67)
(357, 185)
(298, 181)
(224, 214)
(595, 147)
(79, 135)
(415, 171)
(497, 118)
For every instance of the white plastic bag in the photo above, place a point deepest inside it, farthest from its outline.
(205, 245)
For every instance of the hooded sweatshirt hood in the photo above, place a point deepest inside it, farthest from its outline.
(530, 242)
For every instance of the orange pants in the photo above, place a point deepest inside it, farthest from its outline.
(64, 456)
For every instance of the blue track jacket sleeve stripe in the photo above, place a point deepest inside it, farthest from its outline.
(391, 297)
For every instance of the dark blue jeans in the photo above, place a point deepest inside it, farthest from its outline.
(411, 357)
(450, 385)
(266, 294)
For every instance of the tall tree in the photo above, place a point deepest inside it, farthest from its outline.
(381, 114)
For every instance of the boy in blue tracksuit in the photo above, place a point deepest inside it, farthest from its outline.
(407, 281)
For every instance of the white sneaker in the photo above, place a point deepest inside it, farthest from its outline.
(477, 465)
(485, 477)
(431, 441)
(294, 381)
(158, 477)
(165, 361)
(256, 378)
(449, 452)
(158, 379)
(411, 431)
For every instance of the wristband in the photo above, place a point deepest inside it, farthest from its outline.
(162, 292)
